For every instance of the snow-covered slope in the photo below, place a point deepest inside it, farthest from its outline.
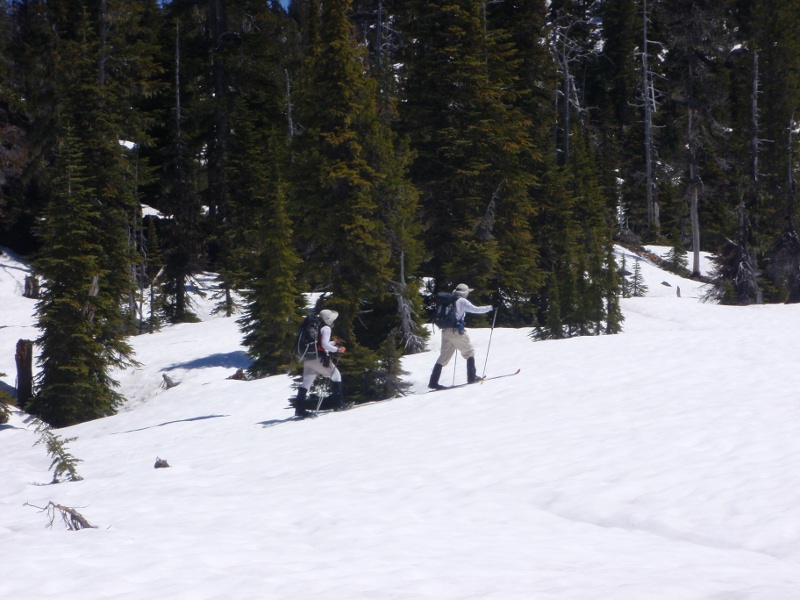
(662, 463)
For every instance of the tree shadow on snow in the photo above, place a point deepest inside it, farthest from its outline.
(172, 422)
(229, 360)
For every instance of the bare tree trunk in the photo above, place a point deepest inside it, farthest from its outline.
(180, 279)
(379, 39)
(135, 246)
(791, 184)
(178, 81)
(289, 104)
(94, 291)
(24, 360)
(754, 148)
(694, 180)
(103, 54)
(566, 92)
(31, 287)
(217, 27)
(412, 343)
(754, 145)
(653, 220)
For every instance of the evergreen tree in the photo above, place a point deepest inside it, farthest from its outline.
(698, 80)
(638, 286)
(676, 260)
(348, 214)
(594, 225)
(177, 163)
(734, 280)
(623, 272)
(779, 86)
(614, 316)
(153, 269)
(94, 96)
(254, 110)
(773, 25)
(557, 237)
(634, 144)
(462, 107)
(15, 216)
(76, 351)
(270, 318)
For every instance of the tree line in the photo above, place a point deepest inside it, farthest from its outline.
(369, 149)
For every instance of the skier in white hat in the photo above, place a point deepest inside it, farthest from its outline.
(321, 364)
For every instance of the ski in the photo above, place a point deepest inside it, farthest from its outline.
(452, 387)
(324, 411)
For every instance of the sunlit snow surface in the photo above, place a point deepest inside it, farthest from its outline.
(662, 463)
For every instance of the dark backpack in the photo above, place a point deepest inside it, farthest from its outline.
(444, 317)
(307, 338)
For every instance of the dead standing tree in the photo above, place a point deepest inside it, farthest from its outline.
(24, 360)
(649, 101)
(567, 49)
(412, 342)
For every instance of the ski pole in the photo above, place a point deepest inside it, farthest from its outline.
(455, 360)
(489, 345)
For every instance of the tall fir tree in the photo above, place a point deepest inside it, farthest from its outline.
(463, 110)
(271, 295)
(773, 27)
(638, 286)
(93, 97)
(345, 199)
(696, 105)
(176, 190)
(76, 352)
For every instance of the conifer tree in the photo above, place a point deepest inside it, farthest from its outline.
(177, 169)
(594, 225)
(271, 317)
(85, 48)
(556, 236)
(463, 110)
(346, 211)
(153, 270)
(60, 55)
(773, 25)
(76, 352)
(638, 286)
(614, 316)
(734, 280)
(623, 272)
(12, 121)
(676, 260)
(552, 326)
(697, 77)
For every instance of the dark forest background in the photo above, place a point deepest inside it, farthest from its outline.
(367, 150)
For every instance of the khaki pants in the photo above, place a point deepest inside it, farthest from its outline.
(452, 341)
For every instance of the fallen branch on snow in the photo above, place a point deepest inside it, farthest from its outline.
(71, 517)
